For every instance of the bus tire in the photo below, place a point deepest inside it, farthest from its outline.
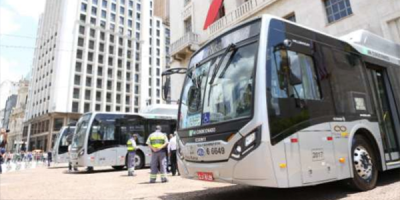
(139, 160)
(364, 165)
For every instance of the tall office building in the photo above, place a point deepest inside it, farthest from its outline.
(92, 55)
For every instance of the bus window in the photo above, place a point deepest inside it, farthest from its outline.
(65, 140)
(102, 133)
(134, 128)
(167, 127)
(294, 78)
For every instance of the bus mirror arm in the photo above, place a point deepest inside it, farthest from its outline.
(166, 84)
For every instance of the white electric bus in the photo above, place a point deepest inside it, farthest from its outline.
(100, 138)
(274, 104)
(60, 149)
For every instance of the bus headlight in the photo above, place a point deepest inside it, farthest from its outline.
(247, 144)
(81, 152)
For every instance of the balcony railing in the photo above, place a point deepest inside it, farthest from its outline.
(242, 12)
(188, 43)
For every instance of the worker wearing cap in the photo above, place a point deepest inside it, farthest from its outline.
(131, 145)
(156, 142)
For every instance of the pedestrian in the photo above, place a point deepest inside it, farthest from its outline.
(69, 159)
(3, 143)
(172, 154)
(156, 142)
(131, 145)
(49, 158)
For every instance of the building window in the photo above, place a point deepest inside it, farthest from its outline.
(291, 17)
(87, 107)
(77, 80)
(94, 11)
(78, 67)
(104, 14)
(87, 95)
(104, 3)
(108, 108)
(108, 98)
(188, 25)
(82, 30)
(83, 7)
(99, 83)
(75, 107)
(76, 93)
(221, 12)
(93, 21)
(83, 18)
(79, 54)
(58, 124)
(98, 107)
(98, 96)
(88, 82)
(337, 9)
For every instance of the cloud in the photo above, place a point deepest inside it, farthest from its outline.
(7, 72)
(8, 21)
(28, 8)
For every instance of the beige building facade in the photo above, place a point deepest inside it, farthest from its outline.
(17, 117)
(334, 17)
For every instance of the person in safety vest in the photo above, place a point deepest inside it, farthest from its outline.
(156, 142)
(131, 145)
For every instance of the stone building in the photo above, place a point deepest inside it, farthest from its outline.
(335, 17)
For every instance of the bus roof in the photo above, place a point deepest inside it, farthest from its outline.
(364, 42)
(375, 46)
(144, 115)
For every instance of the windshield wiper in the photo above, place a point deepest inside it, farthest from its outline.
(216, 69)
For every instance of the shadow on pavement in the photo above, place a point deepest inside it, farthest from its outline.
(58, 167)
(329, 191)
(80, 172)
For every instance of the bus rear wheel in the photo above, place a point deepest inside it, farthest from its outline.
(364, 165)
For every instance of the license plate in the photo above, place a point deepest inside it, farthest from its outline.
(205, 176)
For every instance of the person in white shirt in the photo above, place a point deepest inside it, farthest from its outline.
(172, 154)
(69, 159)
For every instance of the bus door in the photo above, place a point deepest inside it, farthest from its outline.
(386, 110)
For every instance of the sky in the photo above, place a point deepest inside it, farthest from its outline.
(18, 26)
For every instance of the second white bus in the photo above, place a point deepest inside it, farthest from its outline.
(100, 138)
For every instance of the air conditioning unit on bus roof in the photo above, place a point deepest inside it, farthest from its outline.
(363, 41)
(162, 109)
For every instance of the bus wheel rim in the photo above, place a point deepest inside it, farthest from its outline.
(363, 162)
(137, 161)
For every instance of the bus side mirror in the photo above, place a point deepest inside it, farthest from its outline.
(166, 80)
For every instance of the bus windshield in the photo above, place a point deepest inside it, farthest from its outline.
(81, 129)
(220, 89)
(66, 136)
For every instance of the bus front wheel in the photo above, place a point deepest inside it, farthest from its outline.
(139, 160)
(364, 165)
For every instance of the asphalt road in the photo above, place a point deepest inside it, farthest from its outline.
(56, 183)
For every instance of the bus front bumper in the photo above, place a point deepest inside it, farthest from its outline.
(254, 169)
